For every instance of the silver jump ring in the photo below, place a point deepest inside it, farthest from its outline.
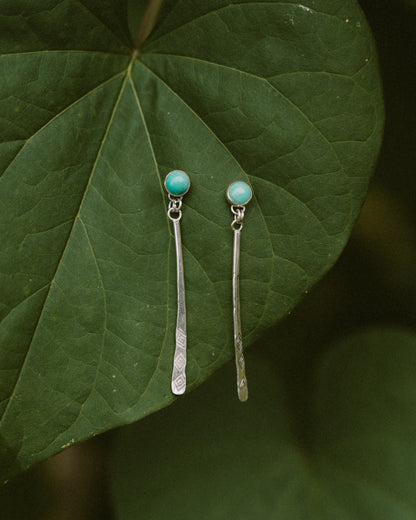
(238, 211)
(174, 210)
(175, 199)
(237, 225)
(175, 204)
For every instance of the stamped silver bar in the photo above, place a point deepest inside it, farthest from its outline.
(178, 384)
(242, 388)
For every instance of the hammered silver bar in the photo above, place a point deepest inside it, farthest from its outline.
(242, 388)
(178, 384)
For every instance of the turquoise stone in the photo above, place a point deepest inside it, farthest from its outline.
(177, 183)
(239, 193)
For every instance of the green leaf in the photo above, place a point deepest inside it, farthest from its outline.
(283, 95)
(215, 458)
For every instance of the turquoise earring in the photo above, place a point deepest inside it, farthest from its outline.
(177, 184)
(238, 194)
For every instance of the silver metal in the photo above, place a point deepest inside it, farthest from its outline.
(178, 383)
(237, 225)
(174, 210)
(175, 201)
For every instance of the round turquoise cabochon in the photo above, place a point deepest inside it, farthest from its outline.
(177, 183)
(239, 193)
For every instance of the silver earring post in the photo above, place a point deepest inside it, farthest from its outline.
(177, 183)
(238, 195)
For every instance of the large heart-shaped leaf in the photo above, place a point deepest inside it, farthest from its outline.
(283, 95)
(354, 458)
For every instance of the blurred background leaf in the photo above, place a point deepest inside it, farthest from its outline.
(212, 458)
(410, 3)
(26, 496)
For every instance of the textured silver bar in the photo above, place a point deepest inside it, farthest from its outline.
(179, 362)
(242, 388)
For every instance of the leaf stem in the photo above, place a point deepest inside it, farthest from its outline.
(147, 24)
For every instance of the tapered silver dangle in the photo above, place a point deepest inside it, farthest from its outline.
(177, 183)
(238, 195)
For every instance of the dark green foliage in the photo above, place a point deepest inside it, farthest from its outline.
(283, 95)
(215, 458)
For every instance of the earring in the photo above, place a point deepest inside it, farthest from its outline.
(238, 194)
(177, 183)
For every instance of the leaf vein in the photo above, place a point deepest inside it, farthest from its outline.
(13, 393)
(100, 359)
(239, 5)
(102, 23)
(54, 118)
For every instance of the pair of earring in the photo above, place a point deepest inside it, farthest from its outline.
(177, 184)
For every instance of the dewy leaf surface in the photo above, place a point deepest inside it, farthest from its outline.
(211, 458)
(282, 95)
